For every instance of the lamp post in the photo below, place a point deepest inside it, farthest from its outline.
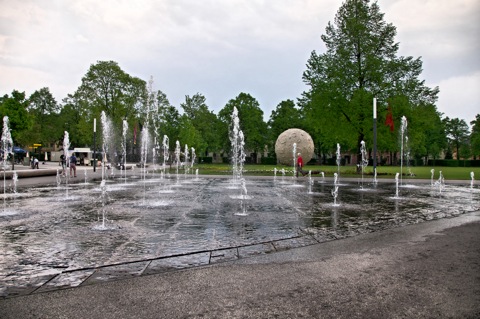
(94, 145)
(374, 134)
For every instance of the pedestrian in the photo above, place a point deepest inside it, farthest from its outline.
(300, 164)
(73, 165)
(63, 162)
(35, 163)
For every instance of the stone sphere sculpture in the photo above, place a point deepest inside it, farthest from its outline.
(284, 146)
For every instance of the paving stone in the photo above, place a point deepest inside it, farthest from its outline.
(294, 242)
(116, 272)
(67, 280)
(12, 288)
(223, 255)
(254, 250)
(179, 262)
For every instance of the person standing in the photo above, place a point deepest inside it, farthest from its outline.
(63, 162)
(300, 164)
(73, 165)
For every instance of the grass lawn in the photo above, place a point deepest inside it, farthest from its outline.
(420, 172)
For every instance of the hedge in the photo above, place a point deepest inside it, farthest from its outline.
(454, 163)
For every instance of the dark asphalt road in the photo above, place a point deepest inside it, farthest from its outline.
(427, 270)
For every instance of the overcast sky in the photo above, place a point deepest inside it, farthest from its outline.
(224, 47)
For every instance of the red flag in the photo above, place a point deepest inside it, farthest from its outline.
(135, 134)
(389, 119)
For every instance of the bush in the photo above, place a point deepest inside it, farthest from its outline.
(205, 160)
(455, 163)
(268, 160)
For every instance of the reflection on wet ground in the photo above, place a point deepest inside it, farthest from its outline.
(54, 237)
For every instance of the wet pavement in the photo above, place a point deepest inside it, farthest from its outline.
(269, 235)
(425, 270)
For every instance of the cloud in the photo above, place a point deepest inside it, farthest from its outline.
(459, 97)
(218, 48)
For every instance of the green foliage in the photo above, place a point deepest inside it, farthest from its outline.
(251, 121)
(360, 63)
(268, 161)
(20, 121)
(106, 87)
(284, 117)
(45, 112)
(457, 134)
(205, 123)
(475, 136)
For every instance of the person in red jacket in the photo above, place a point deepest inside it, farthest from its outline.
(300, 164)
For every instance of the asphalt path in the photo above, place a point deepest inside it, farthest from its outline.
(426, 270)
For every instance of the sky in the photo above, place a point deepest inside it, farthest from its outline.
(224, 47)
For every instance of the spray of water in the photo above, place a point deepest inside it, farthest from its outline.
(7, 148)
(364, 162)
(403, 142)
(237, 141)
(66, 146)
(124, 147)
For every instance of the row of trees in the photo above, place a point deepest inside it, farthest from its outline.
(360, 63)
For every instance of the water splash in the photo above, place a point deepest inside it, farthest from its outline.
(364, 161)
(440, 183)
(106, 131)
(339, 159)
(185, 163)
(15, 182)
(335, 189)
(177, 157)
(7, 148)
(310, 182)
(66, 146)
(294, 156)
(166, 154)
(124, 148)
(194, 156)
(237, 141)
(396, 186)
(432, 172)
(403, 142)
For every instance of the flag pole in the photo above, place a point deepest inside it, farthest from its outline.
(374, 134)
(94, 145)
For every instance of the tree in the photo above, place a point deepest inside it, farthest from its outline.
(106, 87)
(251, 121)
(73, 119)
(45, 111)
(475, 136)
(168, 119)
(205, 122)
(284, 117)
(20, 121)
(427, 132)
(457, 133)
(360, 63)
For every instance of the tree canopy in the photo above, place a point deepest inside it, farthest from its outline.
(251, 121)
(360, 63)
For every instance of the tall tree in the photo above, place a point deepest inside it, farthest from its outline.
(167, 118)
(20, 121)
(205, 122)
(457, 133)
(360, 63)
(251, 121)
(106, 87)
(475, 136)
(284, 117)
(45, 111)
(427, 134)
